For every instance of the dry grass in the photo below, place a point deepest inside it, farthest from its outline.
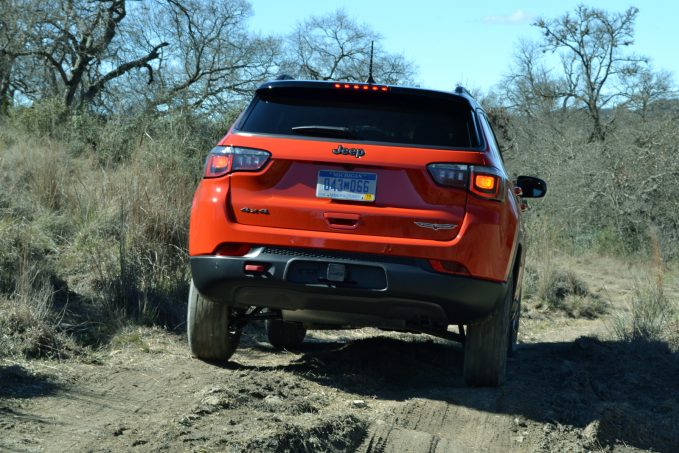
(550, 284)
(112, 228)
(29, 327)
(564, 291)
(652, 315)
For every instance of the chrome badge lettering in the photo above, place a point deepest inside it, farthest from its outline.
(356, 152)
(436, 226)
(254, 211)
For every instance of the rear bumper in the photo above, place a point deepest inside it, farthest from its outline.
(375, 285)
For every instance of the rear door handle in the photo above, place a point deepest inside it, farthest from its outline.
(342, 220)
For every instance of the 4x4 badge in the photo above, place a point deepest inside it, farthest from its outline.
(436, 226)
(255, 211)
(356, 152)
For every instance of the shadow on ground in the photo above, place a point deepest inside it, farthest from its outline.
(624, 393)
(18, 382)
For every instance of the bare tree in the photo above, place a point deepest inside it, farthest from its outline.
(212, 59)
(14, 25)
(118, 54)
(645, 87)
(336, 47)
(7, 56)
(530, 89)
(79, 42)
(161, 55)
(590, 44)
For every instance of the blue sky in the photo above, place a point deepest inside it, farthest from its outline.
(472, 42)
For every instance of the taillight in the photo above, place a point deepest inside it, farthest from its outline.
(217, 165)
(449, 175)
(487, 182)
(227, 159)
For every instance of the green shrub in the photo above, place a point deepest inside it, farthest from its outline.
(44, 118)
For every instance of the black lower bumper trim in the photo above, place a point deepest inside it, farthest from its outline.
(398, 288)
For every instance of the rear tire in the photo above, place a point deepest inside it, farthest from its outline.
(208, 328)
(285, 335)
(486, 346)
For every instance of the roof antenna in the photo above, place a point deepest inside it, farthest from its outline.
(370, 75)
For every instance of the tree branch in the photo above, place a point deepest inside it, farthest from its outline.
(141, 62)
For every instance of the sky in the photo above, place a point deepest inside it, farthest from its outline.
(472, 42)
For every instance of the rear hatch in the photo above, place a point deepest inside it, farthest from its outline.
(355, 160)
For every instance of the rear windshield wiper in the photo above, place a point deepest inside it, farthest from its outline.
(324, 131)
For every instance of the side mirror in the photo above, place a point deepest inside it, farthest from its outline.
(531, 187)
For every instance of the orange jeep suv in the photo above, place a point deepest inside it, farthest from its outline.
(336, 205)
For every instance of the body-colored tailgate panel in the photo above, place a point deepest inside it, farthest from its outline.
(408, 202)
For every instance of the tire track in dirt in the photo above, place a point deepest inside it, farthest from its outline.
(426, 426)
(96, 404)
(367, 392)
(169, 401)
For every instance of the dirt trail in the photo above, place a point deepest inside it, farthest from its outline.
(349, 391)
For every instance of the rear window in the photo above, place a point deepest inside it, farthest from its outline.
(399, 118)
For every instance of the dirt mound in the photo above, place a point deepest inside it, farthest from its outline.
(335, 433)
(271, 392)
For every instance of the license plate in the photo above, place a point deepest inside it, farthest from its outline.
(346, 185)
